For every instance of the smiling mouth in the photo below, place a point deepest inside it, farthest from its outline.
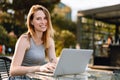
(42, 26)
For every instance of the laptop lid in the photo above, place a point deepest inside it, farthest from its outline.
(72, 61)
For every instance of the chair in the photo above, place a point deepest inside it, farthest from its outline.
(4, 67)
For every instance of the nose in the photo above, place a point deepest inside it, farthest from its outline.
(43, 21)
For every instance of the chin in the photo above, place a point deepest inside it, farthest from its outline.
(43, 30)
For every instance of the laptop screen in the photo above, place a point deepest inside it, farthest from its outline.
(73, 61)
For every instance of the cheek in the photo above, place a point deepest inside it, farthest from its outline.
(46, 22)
(36, 23)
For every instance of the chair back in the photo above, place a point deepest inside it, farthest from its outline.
(4, 67)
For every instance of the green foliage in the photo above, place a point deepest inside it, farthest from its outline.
(5, 17)
(64, 39)
(3, 35)
(8, 41)
(15, 21)
(64, 24)
(18, 9)
(12, 41)
(65, 33)
(24, 5)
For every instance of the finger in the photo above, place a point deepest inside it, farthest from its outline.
(51, 69)
(46, 70)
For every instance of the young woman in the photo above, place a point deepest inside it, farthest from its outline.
(32, 47)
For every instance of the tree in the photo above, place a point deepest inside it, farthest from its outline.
(64, 24)
(66, 39)
(26, 4)
(18, 9)
(3, 35)
(13, 17)
(65, 33)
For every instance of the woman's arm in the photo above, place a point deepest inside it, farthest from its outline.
(51, 52)
(21, 46)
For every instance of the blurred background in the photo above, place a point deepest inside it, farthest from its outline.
(78, 24)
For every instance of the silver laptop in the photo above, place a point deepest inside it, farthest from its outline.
(71, 61)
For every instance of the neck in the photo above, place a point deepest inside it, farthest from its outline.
(38, 36)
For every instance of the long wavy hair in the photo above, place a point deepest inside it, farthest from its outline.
(49, 33)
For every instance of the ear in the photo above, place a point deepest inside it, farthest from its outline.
(32, 22)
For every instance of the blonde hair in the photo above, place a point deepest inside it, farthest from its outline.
(49, 32)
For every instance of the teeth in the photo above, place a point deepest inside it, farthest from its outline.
(42, 26)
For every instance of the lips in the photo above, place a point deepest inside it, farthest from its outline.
(42, 26)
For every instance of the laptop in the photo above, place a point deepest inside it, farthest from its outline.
(71, 61)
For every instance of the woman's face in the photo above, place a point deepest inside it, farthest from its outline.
(39, 21)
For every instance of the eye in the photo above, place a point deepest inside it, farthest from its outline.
(45, 18)
(39, 18)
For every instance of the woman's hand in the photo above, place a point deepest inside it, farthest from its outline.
(49, 67)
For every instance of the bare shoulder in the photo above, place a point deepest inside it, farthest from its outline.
(24, 39)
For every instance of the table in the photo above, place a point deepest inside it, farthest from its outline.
(99, 67)
(88, 75)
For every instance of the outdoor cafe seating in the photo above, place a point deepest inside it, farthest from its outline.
(91, 73)
(4, 67)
